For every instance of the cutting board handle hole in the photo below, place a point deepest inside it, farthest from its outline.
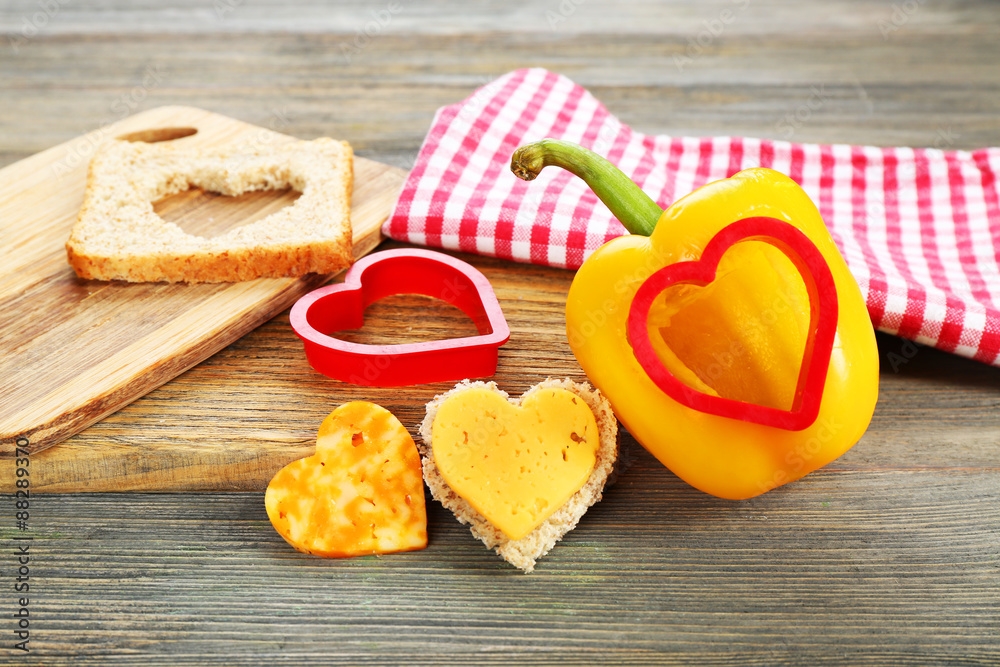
(159, 134)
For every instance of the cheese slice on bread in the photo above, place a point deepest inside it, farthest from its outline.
(520, 472)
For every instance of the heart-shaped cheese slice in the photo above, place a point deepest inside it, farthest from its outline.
(361, 493)
(515, 465)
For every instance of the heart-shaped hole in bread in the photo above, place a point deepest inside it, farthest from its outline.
(209, 214)
(158, 134)
(120, 236)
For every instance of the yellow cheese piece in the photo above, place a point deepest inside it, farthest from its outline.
(361, 493)
(515, 465)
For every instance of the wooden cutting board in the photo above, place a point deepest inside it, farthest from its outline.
(74, 351)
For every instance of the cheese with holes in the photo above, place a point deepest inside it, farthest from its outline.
(361, 493)
(515, 465)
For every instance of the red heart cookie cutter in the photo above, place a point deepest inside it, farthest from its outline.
(822, 290)
(406, 271)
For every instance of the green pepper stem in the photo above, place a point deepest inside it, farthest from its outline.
(633, 207)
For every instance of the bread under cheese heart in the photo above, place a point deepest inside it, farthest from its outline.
(361, 493)
(522, 472)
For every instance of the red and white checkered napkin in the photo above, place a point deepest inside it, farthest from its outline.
(919, 227)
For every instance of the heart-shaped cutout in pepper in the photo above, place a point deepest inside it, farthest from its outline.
(516, 464)
(823, 304)
(361, 493)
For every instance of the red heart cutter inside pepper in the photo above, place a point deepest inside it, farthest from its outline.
(822, 323)
(405, 271)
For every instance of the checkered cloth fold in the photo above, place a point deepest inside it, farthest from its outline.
(919, 227)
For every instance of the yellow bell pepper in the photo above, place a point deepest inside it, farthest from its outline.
(727, 332)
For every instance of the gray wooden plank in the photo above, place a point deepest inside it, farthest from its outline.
(889, 556)
(863, 90)
(449, 17)
(856, 566)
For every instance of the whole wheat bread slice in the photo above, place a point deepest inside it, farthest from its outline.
(525, 552)
(118, 235)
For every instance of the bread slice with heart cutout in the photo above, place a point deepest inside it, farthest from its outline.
(119, 236)
(503, 490)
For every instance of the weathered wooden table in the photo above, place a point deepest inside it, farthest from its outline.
(890, 555)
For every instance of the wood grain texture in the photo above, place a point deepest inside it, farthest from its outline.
(888, 556)
(77, 350)
(231, 422)
(827, 65)
(846, 567)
